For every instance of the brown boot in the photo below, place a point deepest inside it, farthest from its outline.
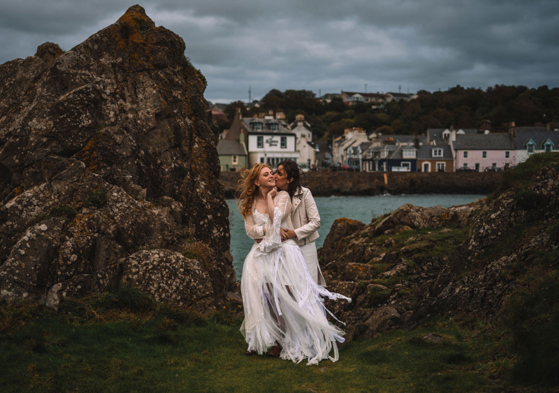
(250, 353)
(275, 351)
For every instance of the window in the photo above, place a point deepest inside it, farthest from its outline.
(257, 126)
(235, 160)
(409, 153)
(548, 148)
(530, 148)
(441, 166)
(260, 141)
(466, 155)
(484, 154)
(477, 166)
(406, 165)
(507, 154)
(262, 160)
(438, 152)
(426, 167)
(273, 126)
(494, 165)
(284, 142)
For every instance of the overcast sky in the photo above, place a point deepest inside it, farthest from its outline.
(322, 45)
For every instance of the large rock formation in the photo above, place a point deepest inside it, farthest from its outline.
(417, 262)
(108, 171)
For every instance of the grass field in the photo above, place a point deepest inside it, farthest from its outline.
(92, 345)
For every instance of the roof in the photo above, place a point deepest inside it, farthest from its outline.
(539, 137)
(483, 142)
(282, 129)
(436, 134)
(370, 95)
(425, 152)
(403, 138)
(227, 147)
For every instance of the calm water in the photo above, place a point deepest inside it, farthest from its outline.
(362, 208)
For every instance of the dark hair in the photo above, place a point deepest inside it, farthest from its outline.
(294, 174)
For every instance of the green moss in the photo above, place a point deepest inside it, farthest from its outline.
(64, 211)
(97, 198)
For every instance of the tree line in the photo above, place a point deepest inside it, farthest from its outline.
(458, 107)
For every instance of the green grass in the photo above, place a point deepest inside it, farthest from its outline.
(159, 348)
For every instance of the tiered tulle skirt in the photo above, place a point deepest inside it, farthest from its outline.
(284, 305)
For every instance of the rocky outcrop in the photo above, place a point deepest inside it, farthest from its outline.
(107, 157)
(368, 183)
(416, 262)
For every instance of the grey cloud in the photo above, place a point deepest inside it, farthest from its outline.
(319, 44)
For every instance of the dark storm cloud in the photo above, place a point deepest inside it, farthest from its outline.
(323, 45)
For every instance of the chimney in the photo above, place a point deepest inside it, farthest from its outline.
(416, 142)
(512, 130)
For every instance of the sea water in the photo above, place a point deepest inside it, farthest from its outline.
(362, 208)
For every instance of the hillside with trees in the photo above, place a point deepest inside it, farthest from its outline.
(459, 107)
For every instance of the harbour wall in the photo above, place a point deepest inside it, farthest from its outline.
(376, 183)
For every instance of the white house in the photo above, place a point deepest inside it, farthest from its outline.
(352, 137)
(304, 145)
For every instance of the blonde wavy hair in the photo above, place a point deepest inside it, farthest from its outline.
(247, 190)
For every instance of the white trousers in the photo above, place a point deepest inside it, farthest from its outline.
(311, 257)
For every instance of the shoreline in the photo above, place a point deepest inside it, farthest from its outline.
(393, 183)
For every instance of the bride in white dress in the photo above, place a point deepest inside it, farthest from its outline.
(283, 305)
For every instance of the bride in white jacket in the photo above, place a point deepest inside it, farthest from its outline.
(283, 305)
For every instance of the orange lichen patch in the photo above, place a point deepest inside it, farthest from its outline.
(348, 221)
(89, 152)
(18, 191)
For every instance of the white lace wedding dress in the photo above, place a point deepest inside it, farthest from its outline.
(282, 303)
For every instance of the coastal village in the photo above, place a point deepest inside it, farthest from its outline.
(269, 138)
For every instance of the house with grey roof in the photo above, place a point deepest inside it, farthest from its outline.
(437, 158)
(482, 151)
(232, 155)
(534, 141)
(375, 99)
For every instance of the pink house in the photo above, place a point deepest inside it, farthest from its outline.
(481, 151)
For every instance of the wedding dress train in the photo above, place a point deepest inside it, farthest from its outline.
(282, 302)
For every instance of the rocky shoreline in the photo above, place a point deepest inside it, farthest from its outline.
(367, 183)
(415, 263)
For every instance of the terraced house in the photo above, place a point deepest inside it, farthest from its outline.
(482, 152)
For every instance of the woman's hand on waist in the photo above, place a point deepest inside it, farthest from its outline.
(287, 234)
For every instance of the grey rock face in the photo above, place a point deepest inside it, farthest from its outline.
(110, 146)
(397, 281)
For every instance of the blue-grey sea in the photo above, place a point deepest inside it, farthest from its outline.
(362, 208)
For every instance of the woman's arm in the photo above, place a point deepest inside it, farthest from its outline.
(312, 215)
(254, 231)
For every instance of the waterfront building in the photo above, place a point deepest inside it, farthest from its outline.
(304, 144)
(351, 137)
(435, 158)
(232, 155)
(267, 139)
(533, 140)
(483, 151)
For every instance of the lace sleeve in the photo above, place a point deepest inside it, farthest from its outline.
(253, 231)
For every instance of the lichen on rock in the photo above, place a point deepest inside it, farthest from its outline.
(110, 146)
